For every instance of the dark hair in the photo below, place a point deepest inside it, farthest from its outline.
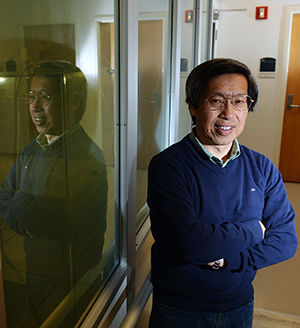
(70, 78)
(201, 74)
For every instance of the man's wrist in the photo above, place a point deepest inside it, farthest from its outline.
(217, 265)
(263, 228)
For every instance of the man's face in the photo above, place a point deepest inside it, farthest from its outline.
(220, 127)
(45, 105)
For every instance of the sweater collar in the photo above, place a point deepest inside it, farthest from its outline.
(234, 152)
(43, 143)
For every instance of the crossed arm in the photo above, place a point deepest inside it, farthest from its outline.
(255, 243)
(53, 212)
(222, 262)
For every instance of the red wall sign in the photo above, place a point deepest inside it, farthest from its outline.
(261, 12)
(188, 16)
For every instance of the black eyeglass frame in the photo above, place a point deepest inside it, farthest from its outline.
(222, 104)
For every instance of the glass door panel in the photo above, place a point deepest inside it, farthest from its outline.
(153, 111)
(197, 45)
(207, 31)
(187, 57)
(58, 159)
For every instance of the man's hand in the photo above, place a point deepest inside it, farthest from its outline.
(263, 228)
(222, 262)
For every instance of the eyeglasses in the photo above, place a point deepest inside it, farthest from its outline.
(43, 96)
(240, 102)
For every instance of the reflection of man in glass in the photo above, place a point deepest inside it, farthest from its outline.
(56, 192)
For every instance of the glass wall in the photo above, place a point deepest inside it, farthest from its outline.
(207, 31)
(58, 159)
(196, 32)
(153, 87)
(188, 16)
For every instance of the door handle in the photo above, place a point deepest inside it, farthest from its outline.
(289, 103)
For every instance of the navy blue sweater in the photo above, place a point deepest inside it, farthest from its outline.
(57, 199)
(201, 212)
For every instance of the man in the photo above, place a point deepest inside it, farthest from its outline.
(56, 193)
(219, 211)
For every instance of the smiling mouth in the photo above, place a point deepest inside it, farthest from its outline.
(38, 120)
(224, 130)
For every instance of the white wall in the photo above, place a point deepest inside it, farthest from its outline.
(242, 37)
